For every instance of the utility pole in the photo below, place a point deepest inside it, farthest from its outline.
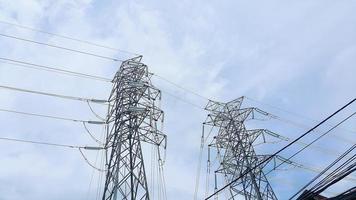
(133, 118)
(235, 152)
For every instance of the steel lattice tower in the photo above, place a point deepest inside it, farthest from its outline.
(133, 118)
(233, 144)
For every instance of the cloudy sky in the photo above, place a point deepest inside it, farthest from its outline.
(299, 56)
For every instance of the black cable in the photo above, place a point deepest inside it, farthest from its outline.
(340, 176)
(316, 139)
(66, 37)
(53, 95)
(282, 149)
(323, 172)
(52, 69)
(336, 175)
(331, 178)
(63, 48)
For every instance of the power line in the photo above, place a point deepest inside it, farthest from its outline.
(183, 100)
(301, 167)
(318, 138)
(53, 95)
(251, 99)
(29, 65)
(78, 74)
(67, 37)
(51, 116)
(57, 145)
(41, 143)
(282, 149)
(306, 127)
(274, 117)
(291, 112)
(88, 162)
(61, 47)
(179, 86)
(332, 177)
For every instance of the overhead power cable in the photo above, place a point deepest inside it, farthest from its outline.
(179, 86)
(305, 167)
(249, 98)
(41, 143)
(183, 100)
(51, 117)
(66, 37)
(282, 149)
(29, 65)
(312, 142)
(303, 126)
(54, 95)
(57, 145)
(292, 113)
(62, 48)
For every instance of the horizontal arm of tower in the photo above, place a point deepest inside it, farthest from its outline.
(221, 117)
(155, 138)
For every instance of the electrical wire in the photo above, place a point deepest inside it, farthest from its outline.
(306, 167)
(47, 116)
(88, 162)
(94, 113)
(95, 163)
(29, 65)
(282, 149)
(197, 179)
(51, 144)
(41, 143)
(91, 135)
(103, 164)
(303, 126)
(292, 113)
(62, 48)
(324, 172)
(315, 147)
(92, 176)
(180, 87)
(312, 142)
(249, 98)
(183, 100)
(61, 118)
(53, 95)
(67, 37)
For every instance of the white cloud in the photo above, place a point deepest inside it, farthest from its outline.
(295, 52)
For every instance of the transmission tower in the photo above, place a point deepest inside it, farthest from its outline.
(133, 118)
(235, 152)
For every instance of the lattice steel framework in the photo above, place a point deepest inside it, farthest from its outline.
(233, 144)
(133, 118)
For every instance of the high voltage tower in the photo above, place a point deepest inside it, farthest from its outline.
(133, 117)
(235, 152)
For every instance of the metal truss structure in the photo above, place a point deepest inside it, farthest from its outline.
(133, 117)
(233, 144)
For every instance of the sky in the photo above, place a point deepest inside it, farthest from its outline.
(294, 56)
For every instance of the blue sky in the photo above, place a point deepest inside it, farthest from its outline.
(297, 55)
